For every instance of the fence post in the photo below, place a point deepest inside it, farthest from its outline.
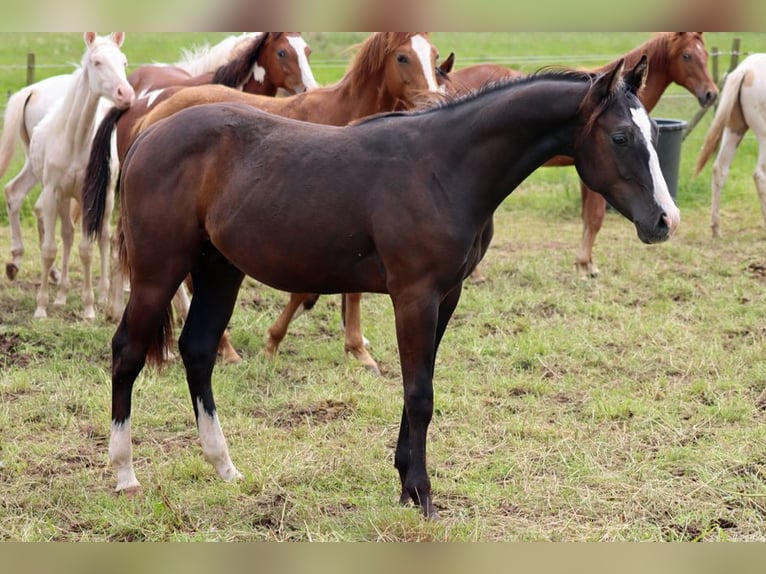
(30, 68)
(735, 46)
(714, 54)
(734, 54)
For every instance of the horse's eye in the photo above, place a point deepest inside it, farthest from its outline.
(619, 139)
(402, 59)
(686, 56)
(281, 53)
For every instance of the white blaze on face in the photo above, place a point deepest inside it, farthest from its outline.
(300, 46)
(661, 193)
(422, 48)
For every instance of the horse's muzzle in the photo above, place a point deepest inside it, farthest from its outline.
(707, 98)
(661, 229)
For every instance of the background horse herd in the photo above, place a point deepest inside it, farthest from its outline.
(390, 73)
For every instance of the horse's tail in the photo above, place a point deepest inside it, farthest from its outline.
(235, 73)
(159, 348)
(727, 102)
(98, 175)
(13, 125)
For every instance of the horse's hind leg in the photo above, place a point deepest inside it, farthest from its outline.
(142, 324)
(593, 210)
(353, 328)
(278, 329)
(759, 176)
(15, 192)
(216, 284)
(729, 142)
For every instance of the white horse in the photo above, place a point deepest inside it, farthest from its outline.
(27, 107)
(58, 154)
(742, 105)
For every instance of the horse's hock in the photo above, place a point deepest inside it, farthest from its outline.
(669, 150)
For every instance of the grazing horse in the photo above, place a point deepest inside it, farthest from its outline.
(678, 57)
(742, 107)
(398, 204)
(27, 107)
(390, 71)
(58, 153)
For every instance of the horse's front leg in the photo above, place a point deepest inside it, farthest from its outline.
(416, 322)
(404, 461)
(593, 210)
(63, 205)
(45, 211)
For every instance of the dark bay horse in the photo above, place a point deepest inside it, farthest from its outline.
(674, 57)
(390, 71)
(399, 204)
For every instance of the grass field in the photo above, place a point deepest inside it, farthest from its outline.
(630, 407)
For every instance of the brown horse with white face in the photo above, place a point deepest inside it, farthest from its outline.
(391, 71)
(674, 57)
(399, 204)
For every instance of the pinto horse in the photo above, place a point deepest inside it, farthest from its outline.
(390, 71)
(679, 57)
(283, 63)
(742, 105)
(398, 204)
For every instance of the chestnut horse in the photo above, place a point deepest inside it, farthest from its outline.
(381, 206)
(742, 107)
(674, 57)
(390, 71)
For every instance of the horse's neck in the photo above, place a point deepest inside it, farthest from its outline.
(76, 114)
(657, 77)
(505, 135)
(364, 98)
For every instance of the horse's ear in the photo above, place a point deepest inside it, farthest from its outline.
(90, 37)
(118, 38)
(636, 78)
(446, 66)
(607, 82)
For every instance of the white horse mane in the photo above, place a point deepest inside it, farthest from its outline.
(205, 58)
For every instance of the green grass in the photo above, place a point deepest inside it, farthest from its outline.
(630, 407)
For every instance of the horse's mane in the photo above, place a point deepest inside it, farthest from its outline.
(203, 59)
(371, 56)
(455, 100)
(237, 71)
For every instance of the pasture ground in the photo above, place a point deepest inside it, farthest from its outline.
(630, 407)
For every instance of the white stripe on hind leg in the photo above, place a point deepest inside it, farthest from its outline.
(214, 444)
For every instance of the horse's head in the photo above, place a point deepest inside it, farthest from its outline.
(409, 66)
(615, 154)
(105, 65)
(286, 60)
(688, 67)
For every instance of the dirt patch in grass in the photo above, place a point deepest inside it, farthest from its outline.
(10, 356)
(320, 412)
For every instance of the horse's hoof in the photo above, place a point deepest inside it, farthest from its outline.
(373, 368)
(41, 313)
(54, 276)
(11, 270)
(131, 491)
